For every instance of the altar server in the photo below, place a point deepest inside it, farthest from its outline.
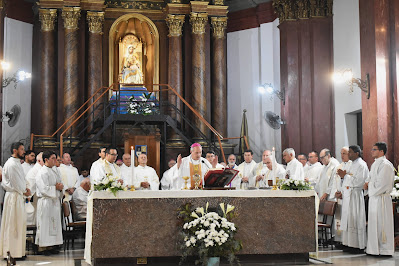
(69, 176)
(313, 169)
(334, 192)
(167, 178)
(245, 178)
(326, 175)
(96, 167)
(380, 229)
(13, 222)
(49, 189)
(108, 166)
(353, 217)
(144, 176)
(294, 168)
(126, 170)
(269, 173)
(31, 184)
(29, 161)
(191, 165)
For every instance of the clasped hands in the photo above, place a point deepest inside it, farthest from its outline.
(60, 187)
(145, 184)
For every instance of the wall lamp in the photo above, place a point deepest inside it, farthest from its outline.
(346, 76)
(18, 76)
(267, 87)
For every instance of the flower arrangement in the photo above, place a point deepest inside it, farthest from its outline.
(110, 184)
(142, 107)
(291, 184)
(395, 190)
(209, 233)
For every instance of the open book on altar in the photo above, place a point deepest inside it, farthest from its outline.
(219, 177)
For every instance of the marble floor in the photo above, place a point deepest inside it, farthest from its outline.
(74, 257)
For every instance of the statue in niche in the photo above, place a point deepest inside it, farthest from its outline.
(131, 60)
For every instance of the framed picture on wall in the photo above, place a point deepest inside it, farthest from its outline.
(141, 149)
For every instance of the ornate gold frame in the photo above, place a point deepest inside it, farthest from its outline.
(112, 41)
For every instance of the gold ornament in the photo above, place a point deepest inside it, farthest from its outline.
(47, 18)
(95, 20)
(198, 22)
(302, 9)
(175, 1)
(218, 2)
(219, 25)
(175, 24)
(71, 16)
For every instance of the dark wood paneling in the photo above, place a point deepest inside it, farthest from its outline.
(251, 17)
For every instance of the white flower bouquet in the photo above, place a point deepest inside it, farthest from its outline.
(110, 184)
(209, 234)
(291, 184)
(143, 107)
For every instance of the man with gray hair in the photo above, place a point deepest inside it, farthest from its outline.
(326, 175)
(232, 161)
(294, 168)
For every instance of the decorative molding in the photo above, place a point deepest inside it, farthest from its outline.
(95, 21)
(137, 4)
(198, 22)
(219, 25)
(175, 1)
(218, 2)
(175, 24)
(71, 16)
(288, 10)
(47, 18)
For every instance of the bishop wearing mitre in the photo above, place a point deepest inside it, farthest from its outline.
(191, 166)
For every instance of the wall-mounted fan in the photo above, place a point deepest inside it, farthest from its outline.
(12, 116)
(273, 120)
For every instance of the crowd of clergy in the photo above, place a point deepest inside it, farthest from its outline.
(34, 186)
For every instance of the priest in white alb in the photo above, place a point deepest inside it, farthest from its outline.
(49, 189)
(294, 168)
(326, 175)
(231, 160)
(126, 170)
(313, 169)
(334, 192)
(353, 216)
(80, 198)
(108, 167)
(167, 180)
(380, 228)
(69, 176)
(96, 167)
(191, 166)
(144, 176)
(13, 221)
(31, 183)
(245, 177)
(29, 161)
(260, 169)
(273, 172)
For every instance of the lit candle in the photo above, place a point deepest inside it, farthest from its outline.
(132, 159)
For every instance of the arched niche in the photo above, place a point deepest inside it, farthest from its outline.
(145, 30)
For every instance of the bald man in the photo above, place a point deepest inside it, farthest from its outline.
(126, 170)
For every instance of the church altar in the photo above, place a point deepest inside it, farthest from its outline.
(144, 223)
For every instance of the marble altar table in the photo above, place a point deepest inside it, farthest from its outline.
(144, 223)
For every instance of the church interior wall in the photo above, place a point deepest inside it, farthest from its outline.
(346, 55)
(17, 51)
(253, 58)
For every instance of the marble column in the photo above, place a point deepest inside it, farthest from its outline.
(175, 75)
(198, 22)
(219, 67)
(94, 62)
(48, 94)
(71, 16)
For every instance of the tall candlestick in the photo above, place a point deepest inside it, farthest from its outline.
(132, 154)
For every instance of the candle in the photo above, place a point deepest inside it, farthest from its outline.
(132, 159)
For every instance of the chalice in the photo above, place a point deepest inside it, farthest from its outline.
(186, 178)
(197, 181)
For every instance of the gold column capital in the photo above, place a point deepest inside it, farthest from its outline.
(175, 1)
(302, 9)
(71, 16)
(47, 18)
(198, 22)
(175, 24)
(95, 21)
(219, 25)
